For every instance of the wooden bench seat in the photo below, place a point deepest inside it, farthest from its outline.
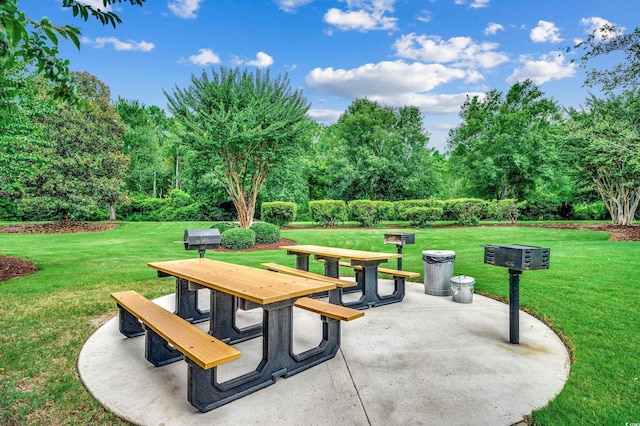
(330, 310)
(299, 272)
(164, 327)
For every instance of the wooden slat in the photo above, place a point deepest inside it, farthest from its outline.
(256, 285)
(341, 313)
(199, 346)
(299, 272)
(340, 252)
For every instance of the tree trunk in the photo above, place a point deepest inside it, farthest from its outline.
(112, 211)
(155, 187)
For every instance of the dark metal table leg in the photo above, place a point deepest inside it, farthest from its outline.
(187, 303)
(514, 306)
(223, 320)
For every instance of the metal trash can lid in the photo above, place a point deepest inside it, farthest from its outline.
(462, 279)
(438, 256)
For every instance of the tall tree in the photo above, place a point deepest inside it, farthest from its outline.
(602, 143)
(608, 40)
(241, 124)
(378, 153)
(84, 168)
(502, 146)
(27, 40)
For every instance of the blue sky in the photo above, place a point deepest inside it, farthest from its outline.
(427, 53)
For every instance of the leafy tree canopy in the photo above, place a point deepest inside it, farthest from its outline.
(36, 41)
(241, 124)
(607, 40)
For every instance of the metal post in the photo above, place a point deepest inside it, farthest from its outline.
(399, 246)
(514, 306)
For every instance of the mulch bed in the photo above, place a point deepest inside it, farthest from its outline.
(11, 267)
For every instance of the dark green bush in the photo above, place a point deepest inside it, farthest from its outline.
(238, 238)
(465, 211)
(591, 211)
(223, 226)
(9, 210)
(278, 212)
(546, 210)
(369, 213)
(423, 217)
(266, 233)
(328, 212)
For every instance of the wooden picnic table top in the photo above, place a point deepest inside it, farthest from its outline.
(341, 252)
(257, 285)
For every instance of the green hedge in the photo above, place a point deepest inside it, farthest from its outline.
(328, 212)
(465, 211)
(370, 213)
(591, 211)
(507, 209)
(280, 213)
(423, 217)
(238, 238)
(401, 207)
(223, 226)
(266, 233)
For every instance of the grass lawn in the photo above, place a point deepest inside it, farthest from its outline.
(590, 295)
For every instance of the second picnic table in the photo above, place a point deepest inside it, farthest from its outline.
(367, 263)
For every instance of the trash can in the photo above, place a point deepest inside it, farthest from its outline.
(438, 270)
(462, 288)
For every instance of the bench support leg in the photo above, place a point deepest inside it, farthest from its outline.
(129, 324)
(187, 303)
(157, 351)
(224, 327)
(278, 360)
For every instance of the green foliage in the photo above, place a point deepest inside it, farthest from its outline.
(465, 211)
(591, 211)
(401, 207)
(602, 144)
(369, 213)
(508, 209)
(241, 124)
(546, 209)
(279, 212)
(373, 152)
(223, 226)
(266, 233)
(502, 145)
(423, 217)
(178, 198)
(328, 212)
(609, 39)
(9, 210)
(30, 41)
(238, 238)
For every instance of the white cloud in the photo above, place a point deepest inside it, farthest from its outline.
(460, 51)
(130, 45)
(262, 60)
(290, 6)
(382, 79)
(476, 4)
(184, 8)
(363, 15)
(546, 68)
(545, 32)
(324, 115)
(96, 4)
(428, 103)
(493, 28)
(595, 23)
(424, 16)
(204, 57)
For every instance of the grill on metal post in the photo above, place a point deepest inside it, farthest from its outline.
(201, 239)
(400, 239)
(517, 258)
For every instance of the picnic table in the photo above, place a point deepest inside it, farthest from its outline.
(234, 286)
(366, 264)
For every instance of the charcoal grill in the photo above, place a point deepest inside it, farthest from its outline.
(399, 239)
(517, 258)
(201, 239)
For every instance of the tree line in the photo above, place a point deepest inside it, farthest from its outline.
(237, 138)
